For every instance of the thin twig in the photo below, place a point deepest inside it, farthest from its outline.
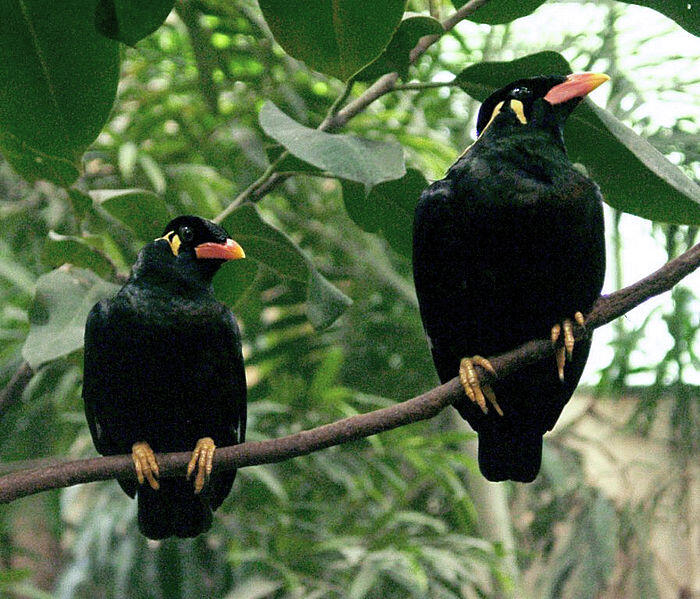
(414, 85)
(12, 392)
(258, 184)
(606, 309)
(387, 82)
(340, 100)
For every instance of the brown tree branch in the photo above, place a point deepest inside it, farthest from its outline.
(427, 405)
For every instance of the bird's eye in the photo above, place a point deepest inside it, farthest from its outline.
(519, 92)
(186, 234)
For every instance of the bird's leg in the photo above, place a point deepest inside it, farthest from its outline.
(475, 390)
(566, 349)
(203, 459)
(145, 464)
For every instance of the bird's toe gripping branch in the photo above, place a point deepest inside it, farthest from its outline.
(145, 464)
(475, 390)
(565, 350)
(203, 459)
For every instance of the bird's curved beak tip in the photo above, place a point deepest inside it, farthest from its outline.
(576, 85)
(229, 250)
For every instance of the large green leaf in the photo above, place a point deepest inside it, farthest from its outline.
(63, 299)
(270, 248)
(290, 163)
(142, 211)
(129, 21)
(501, 11)
(335, 37)
(396, 57)
(633, 176)
(683, 12)
(387, 208)
(62, 249)
(346, 156)
(58, 81)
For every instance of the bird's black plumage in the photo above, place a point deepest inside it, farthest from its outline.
(163, 365)
(509, 243)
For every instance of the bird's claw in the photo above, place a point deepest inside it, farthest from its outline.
(566, 350)
(475, 390)
(145, 464)
(203, 459)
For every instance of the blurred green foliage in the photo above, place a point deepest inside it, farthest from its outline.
(395, 515)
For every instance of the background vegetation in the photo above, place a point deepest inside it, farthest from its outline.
(217, 113)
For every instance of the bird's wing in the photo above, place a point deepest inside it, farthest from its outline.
(452, 288)
(238, 395)
(95, 382)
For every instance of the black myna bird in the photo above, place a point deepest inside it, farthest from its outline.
(164, 372)
(507, 248)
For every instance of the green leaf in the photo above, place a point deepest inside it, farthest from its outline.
(364, 580)
(269, 247)
(254, 587)
(396, 57)
(324, 301)
(387, 208)
(80, 202)
(683, 12)
(346, 156)
(153, 172)
(633, 176)
(234, 281)
(501, 11)
(62, 301)
(17, 275)
(32, 164)
(62, 249)
(129, 21)
(335, 37)
(290, 162)
(128, 153)
(58, 81)
(140, 210)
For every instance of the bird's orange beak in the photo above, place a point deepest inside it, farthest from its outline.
(229, 250)
(576, 85)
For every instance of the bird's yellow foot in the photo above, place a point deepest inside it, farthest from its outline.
(145, 464)
(566, 350)
(475, 390)
(203, 459)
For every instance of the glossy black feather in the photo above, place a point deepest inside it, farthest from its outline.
(509, 243)
(163, 364)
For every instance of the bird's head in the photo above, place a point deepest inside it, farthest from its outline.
(189, 252)
(543, 102)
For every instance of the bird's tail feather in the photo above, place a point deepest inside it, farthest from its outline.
(172, 510)
(506, 455)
